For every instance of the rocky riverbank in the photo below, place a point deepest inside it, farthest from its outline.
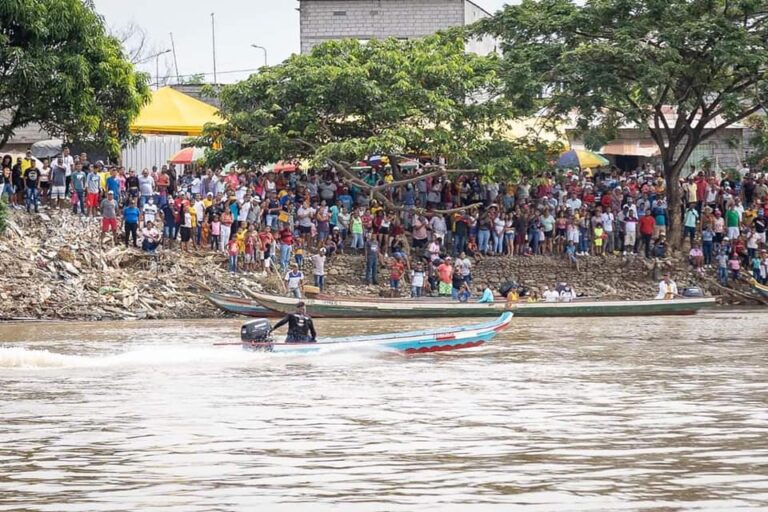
(58, 267)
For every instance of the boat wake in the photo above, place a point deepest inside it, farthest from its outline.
(168, 355)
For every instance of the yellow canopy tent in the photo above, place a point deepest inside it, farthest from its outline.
(173, 112)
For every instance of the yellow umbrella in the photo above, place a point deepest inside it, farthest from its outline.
(581, 158)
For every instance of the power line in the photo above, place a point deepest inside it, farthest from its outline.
(221, 72)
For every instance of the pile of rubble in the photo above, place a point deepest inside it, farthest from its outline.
(58, 266)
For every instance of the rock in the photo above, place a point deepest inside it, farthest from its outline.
(70, 268)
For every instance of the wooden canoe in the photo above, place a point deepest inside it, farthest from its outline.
(759, 288)
(338, 307)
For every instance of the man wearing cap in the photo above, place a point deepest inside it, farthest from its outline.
(294, 281)
(300, 326)
(667, 288)
(109, 216)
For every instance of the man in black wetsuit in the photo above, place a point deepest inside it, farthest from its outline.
(300, 326)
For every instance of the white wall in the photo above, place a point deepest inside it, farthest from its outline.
(153, 150)
(487, 44)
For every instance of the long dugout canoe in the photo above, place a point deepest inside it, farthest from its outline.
(338, 307)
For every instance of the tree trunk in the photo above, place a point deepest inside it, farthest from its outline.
(674, 203)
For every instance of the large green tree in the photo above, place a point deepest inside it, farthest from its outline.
(60, 68)
(347, 99)
(685, 69)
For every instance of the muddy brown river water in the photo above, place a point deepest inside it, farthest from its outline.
(556, 414)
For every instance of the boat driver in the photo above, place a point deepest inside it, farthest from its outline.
(300, 326)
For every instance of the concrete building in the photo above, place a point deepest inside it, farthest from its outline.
(634, 146)
(323, 20)
(23, 137)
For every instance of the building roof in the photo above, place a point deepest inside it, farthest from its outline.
(28, 134)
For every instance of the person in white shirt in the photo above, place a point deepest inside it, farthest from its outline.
(150, 211)
(318, 262)
(244, 209)
(549, 295)
(196, 186)
(294, 280)
(567, 295)
(68, 163)
(151, 238)
(667, 289)
(464, 267)
(607, 219)
(240, 193)
(146, 187)
(438, 226)
(417, 280)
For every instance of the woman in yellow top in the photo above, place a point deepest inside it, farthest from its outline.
(240, 238)
(598, 231)
(375, 208)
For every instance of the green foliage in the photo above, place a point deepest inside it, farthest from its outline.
(347, 99)
(196, 79)
(635, 61)
(60, 68)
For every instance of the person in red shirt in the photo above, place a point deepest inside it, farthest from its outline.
(647, 225)
(589, 196)
(286, 243)
(445, 275)
(396, 270)
(701, 189)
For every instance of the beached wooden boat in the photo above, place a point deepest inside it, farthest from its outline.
(241, 306)
(338, 307)
(413, 342)
(759, 288)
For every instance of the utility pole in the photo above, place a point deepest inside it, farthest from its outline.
(213, 37)
(175, 62)
(263, 49)
(157, 67)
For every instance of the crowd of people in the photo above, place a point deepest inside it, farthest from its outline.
(439, 226)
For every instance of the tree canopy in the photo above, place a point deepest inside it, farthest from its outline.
(349, 99)
(61, 69)
(685, 69)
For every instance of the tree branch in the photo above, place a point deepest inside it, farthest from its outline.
(718, 129)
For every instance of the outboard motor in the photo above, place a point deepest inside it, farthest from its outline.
(256, 331)
(693, 291)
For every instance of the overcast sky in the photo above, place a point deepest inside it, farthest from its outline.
(273, 24)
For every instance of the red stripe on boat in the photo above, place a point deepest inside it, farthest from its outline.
(443, 348)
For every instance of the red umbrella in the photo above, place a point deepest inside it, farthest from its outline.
(188, 156)
(283, 166)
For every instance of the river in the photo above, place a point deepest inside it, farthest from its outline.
(555, 414)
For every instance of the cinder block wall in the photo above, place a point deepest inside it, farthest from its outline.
(323, 20)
